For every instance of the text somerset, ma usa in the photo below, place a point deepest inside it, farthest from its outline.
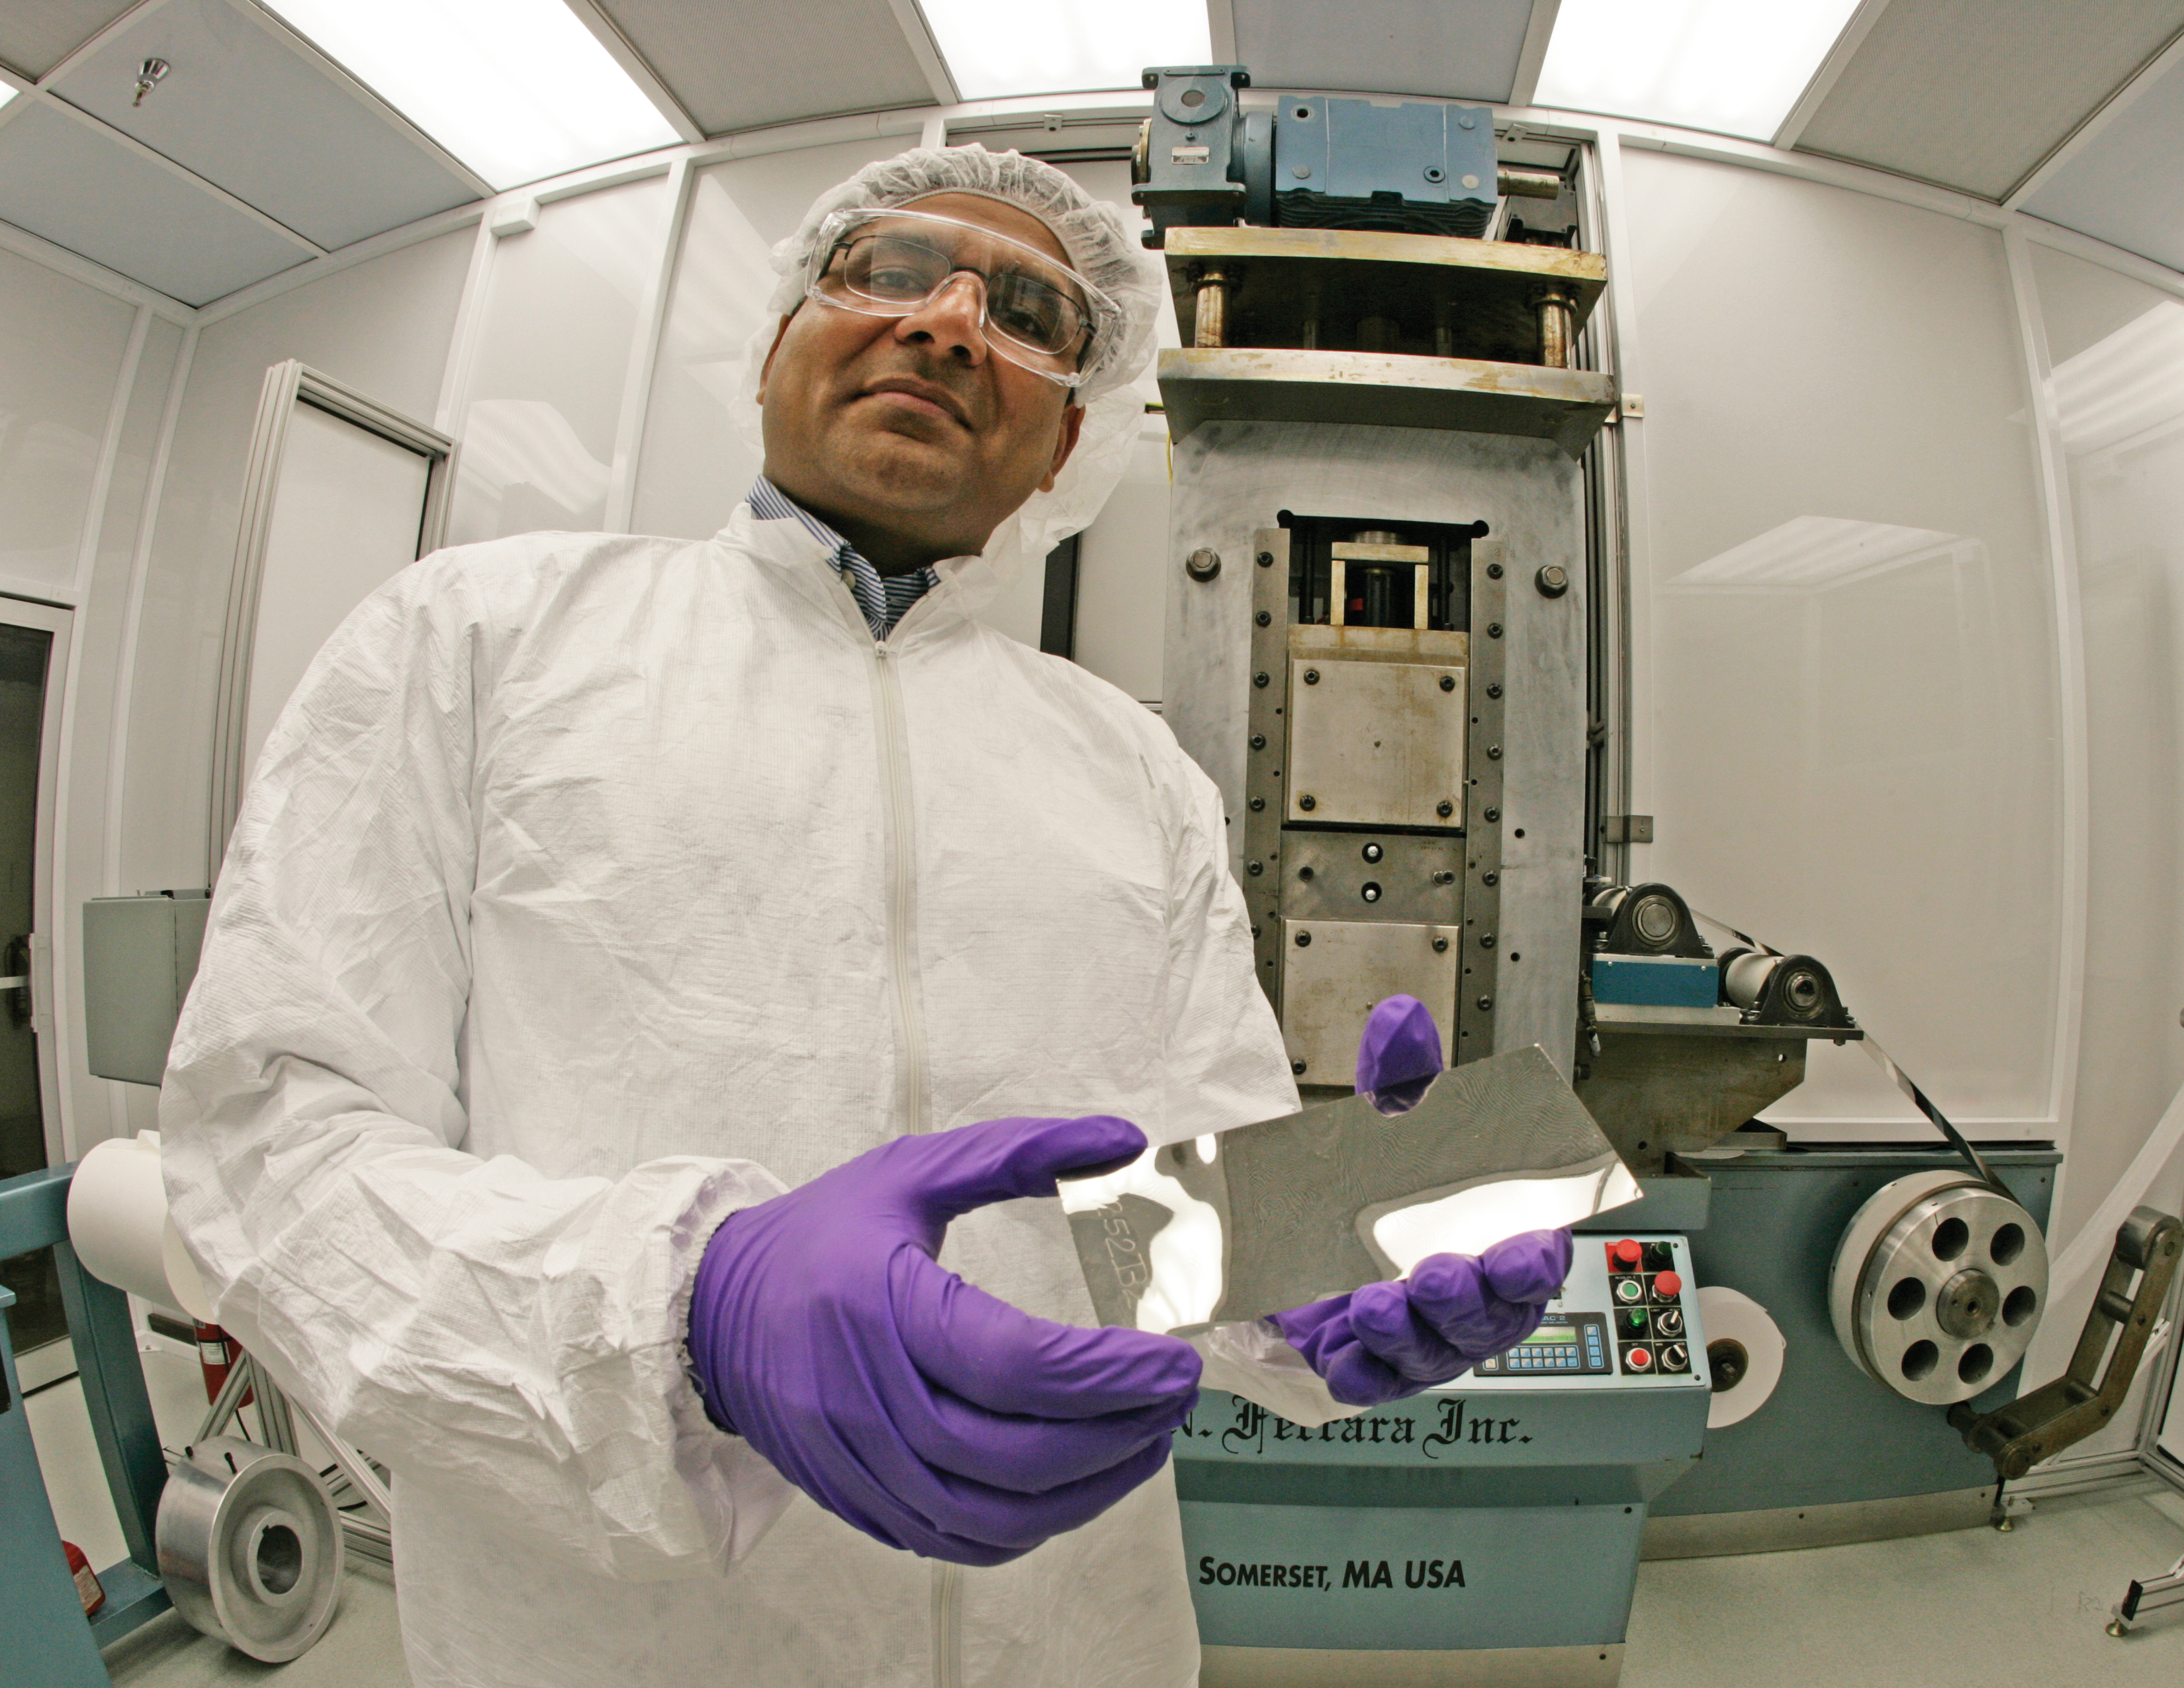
(1365, 1573)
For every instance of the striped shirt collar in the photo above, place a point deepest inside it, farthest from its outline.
(883, 598)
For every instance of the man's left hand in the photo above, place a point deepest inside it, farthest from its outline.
(1387, 1340)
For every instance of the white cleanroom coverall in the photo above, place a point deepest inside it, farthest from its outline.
(589, 889)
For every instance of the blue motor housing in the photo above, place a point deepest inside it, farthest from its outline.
(1408, 167)
(1316, 161)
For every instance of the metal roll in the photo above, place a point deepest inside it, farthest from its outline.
(1745, 975)
(250, 1547)
(1938, 1286)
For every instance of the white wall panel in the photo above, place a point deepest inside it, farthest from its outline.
(83, 857)
(544, 396)
(382, 326)
(1853, 693)
(2117, 398)
(61, 348)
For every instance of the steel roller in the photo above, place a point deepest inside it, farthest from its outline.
(1938, 1285)
(250, 1547)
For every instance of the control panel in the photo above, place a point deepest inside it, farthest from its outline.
(1627, 1315)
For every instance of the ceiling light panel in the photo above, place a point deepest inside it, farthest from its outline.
(995, 48)
(518, 90)
(1460, 49)
(1727, 65)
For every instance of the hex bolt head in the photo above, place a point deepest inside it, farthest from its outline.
(1494, 690)
(1448, 682)
(1307, 801)
(1202, 564)
(1266, 559)
(1373, 852)
(1552, 580)
(1312, 677)
(1443, 808)
(1258, 741)
(1304, 940)
(1492, 816)
(1260, 678)
(1494, 571)
(1439, 945)
(1494, 630)
(1265, 618)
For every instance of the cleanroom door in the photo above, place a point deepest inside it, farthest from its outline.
(33, 647)
(342, 493)
(346, 515)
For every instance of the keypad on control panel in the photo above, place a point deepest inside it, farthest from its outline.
(1585, 1349)
(1645, 1293)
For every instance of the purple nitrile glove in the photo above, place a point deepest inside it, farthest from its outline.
(1399, 1056)
(1387, 1340)
(922, 1410)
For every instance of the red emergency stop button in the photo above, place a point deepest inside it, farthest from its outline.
(1626, 1254)
(1667, 1285)
(1638, 1359)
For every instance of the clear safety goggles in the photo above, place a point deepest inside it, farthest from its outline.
(1039, 314)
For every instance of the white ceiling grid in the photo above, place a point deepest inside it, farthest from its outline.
(741, 63)
(256, 153)
(37, 35)
(244, 107)
(2126, 186)
(1973, 94)
(1454, 49)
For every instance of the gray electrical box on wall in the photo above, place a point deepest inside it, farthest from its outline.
(139, 956)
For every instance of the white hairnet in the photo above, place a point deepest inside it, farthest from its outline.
(1100, 244)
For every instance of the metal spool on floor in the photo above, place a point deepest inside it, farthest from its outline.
(1938, 1286)
(250, 1547)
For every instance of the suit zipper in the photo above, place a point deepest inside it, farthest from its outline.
(947, 1625)
(946, 1617)
(902, 892)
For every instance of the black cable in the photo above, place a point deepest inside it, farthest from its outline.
(1903, 1080)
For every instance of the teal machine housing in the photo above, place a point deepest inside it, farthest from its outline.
(1488, 1531)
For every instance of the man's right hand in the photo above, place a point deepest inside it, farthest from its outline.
(908, 1403)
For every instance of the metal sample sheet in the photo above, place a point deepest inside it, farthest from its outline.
(1244, 1223)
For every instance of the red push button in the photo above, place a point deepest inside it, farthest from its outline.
(1638, 1359)
(1626, 1254)
(1667, 1285)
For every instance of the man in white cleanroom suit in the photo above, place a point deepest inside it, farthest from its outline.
(593, 889)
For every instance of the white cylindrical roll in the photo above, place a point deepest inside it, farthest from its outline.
(1728, 1316)
(118, 1225)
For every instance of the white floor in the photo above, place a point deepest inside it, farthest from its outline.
(2025, 1610)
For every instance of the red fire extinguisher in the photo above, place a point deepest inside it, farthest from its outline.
(217, 1353)
(87, 1587)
